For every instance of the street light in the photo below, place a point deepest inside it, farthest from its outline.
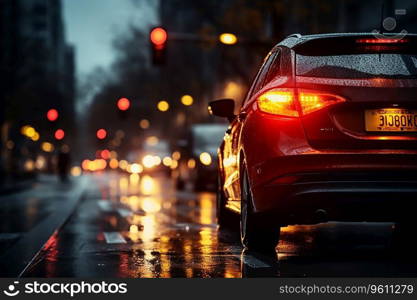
(205, 158)
(187, 100)
(163, 105)
(47, 147)
(228, 38)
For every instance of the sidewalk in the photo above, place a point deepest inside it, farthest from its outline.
(29, 217)
(12, 187)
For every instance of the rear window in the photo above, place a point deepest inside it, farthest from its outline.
(357, 65)
(362, 56)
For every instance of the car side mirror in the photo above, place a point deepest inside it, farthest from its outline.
(224, 108)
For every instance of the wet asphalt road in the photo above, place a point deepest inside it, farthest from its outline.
(129, 227)
(29, 216)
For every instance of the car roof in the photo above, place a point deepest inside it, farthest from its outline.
(296, 39)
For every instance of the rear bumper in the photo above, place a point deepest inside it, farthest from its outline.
(348, 191)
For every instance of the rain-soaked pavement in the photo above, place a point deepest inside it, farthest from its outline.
(125, 226)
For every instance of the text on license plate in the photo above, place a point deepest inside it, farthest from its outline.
(391, 119)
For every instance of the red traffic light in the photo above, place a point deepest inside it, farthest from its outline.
(123, 104)
(59, 134)
(105, 154)
(52, 115)
(158, 36)
(101, 134)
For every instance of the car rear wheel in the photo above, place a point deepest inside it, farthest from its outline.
(255, 234)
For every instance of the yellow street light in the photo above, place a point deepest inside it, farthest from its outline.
(205, 158)
(163, 105)
(228, 38)
(136, 168)
(47, 147)
(123, 164)
(191, 163)
(76, 171)
(152, 141)
(187, 100)
(148, 161)
(35, 137)
(167, 161)
(176, 155)
(114, 163)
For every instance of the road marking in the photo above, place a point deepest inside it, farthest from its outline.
(253, 262)
(114, 238)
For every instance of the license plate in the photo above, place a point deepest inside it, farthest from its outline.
(391, 120)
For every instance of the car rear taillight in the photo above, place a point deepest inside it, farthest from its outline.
(293, 102)
(278, 102)
(311, 101)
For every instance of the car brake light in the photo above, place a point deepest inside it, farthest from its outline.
(278, 102)
(381, 41)
(311, 101)
(283, 101)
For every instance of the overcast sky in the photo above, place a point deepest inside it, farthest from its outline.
(91, 26)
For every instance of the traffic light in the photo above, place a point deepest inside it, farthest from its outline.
(101, 134)
(123, 105)
(158, 38)
(52, 115)
(59, 134)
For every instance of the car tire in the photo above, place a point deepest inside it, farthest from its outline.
(255, 234)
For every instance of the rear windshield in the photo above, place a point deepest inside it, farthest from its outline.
(357, 66)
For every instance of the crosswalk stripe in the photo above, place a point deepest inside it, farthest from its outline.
(114, 238)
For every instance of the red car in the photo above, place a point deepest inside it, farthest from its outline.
(328, 131)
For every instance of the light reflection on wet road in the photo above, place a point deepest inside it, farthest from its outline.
(128, 226)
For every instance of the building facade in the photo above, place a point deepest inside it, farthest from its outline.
(37, 69)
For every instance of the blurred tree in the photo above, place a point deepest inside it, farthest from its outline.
(200, 66)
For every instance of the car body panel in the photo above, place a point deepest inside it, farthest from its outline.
(293, 162)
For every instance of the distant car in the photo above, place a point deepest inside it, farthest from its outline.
(203, 142)
(328, 131)
(206, 139)
(151, 156)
